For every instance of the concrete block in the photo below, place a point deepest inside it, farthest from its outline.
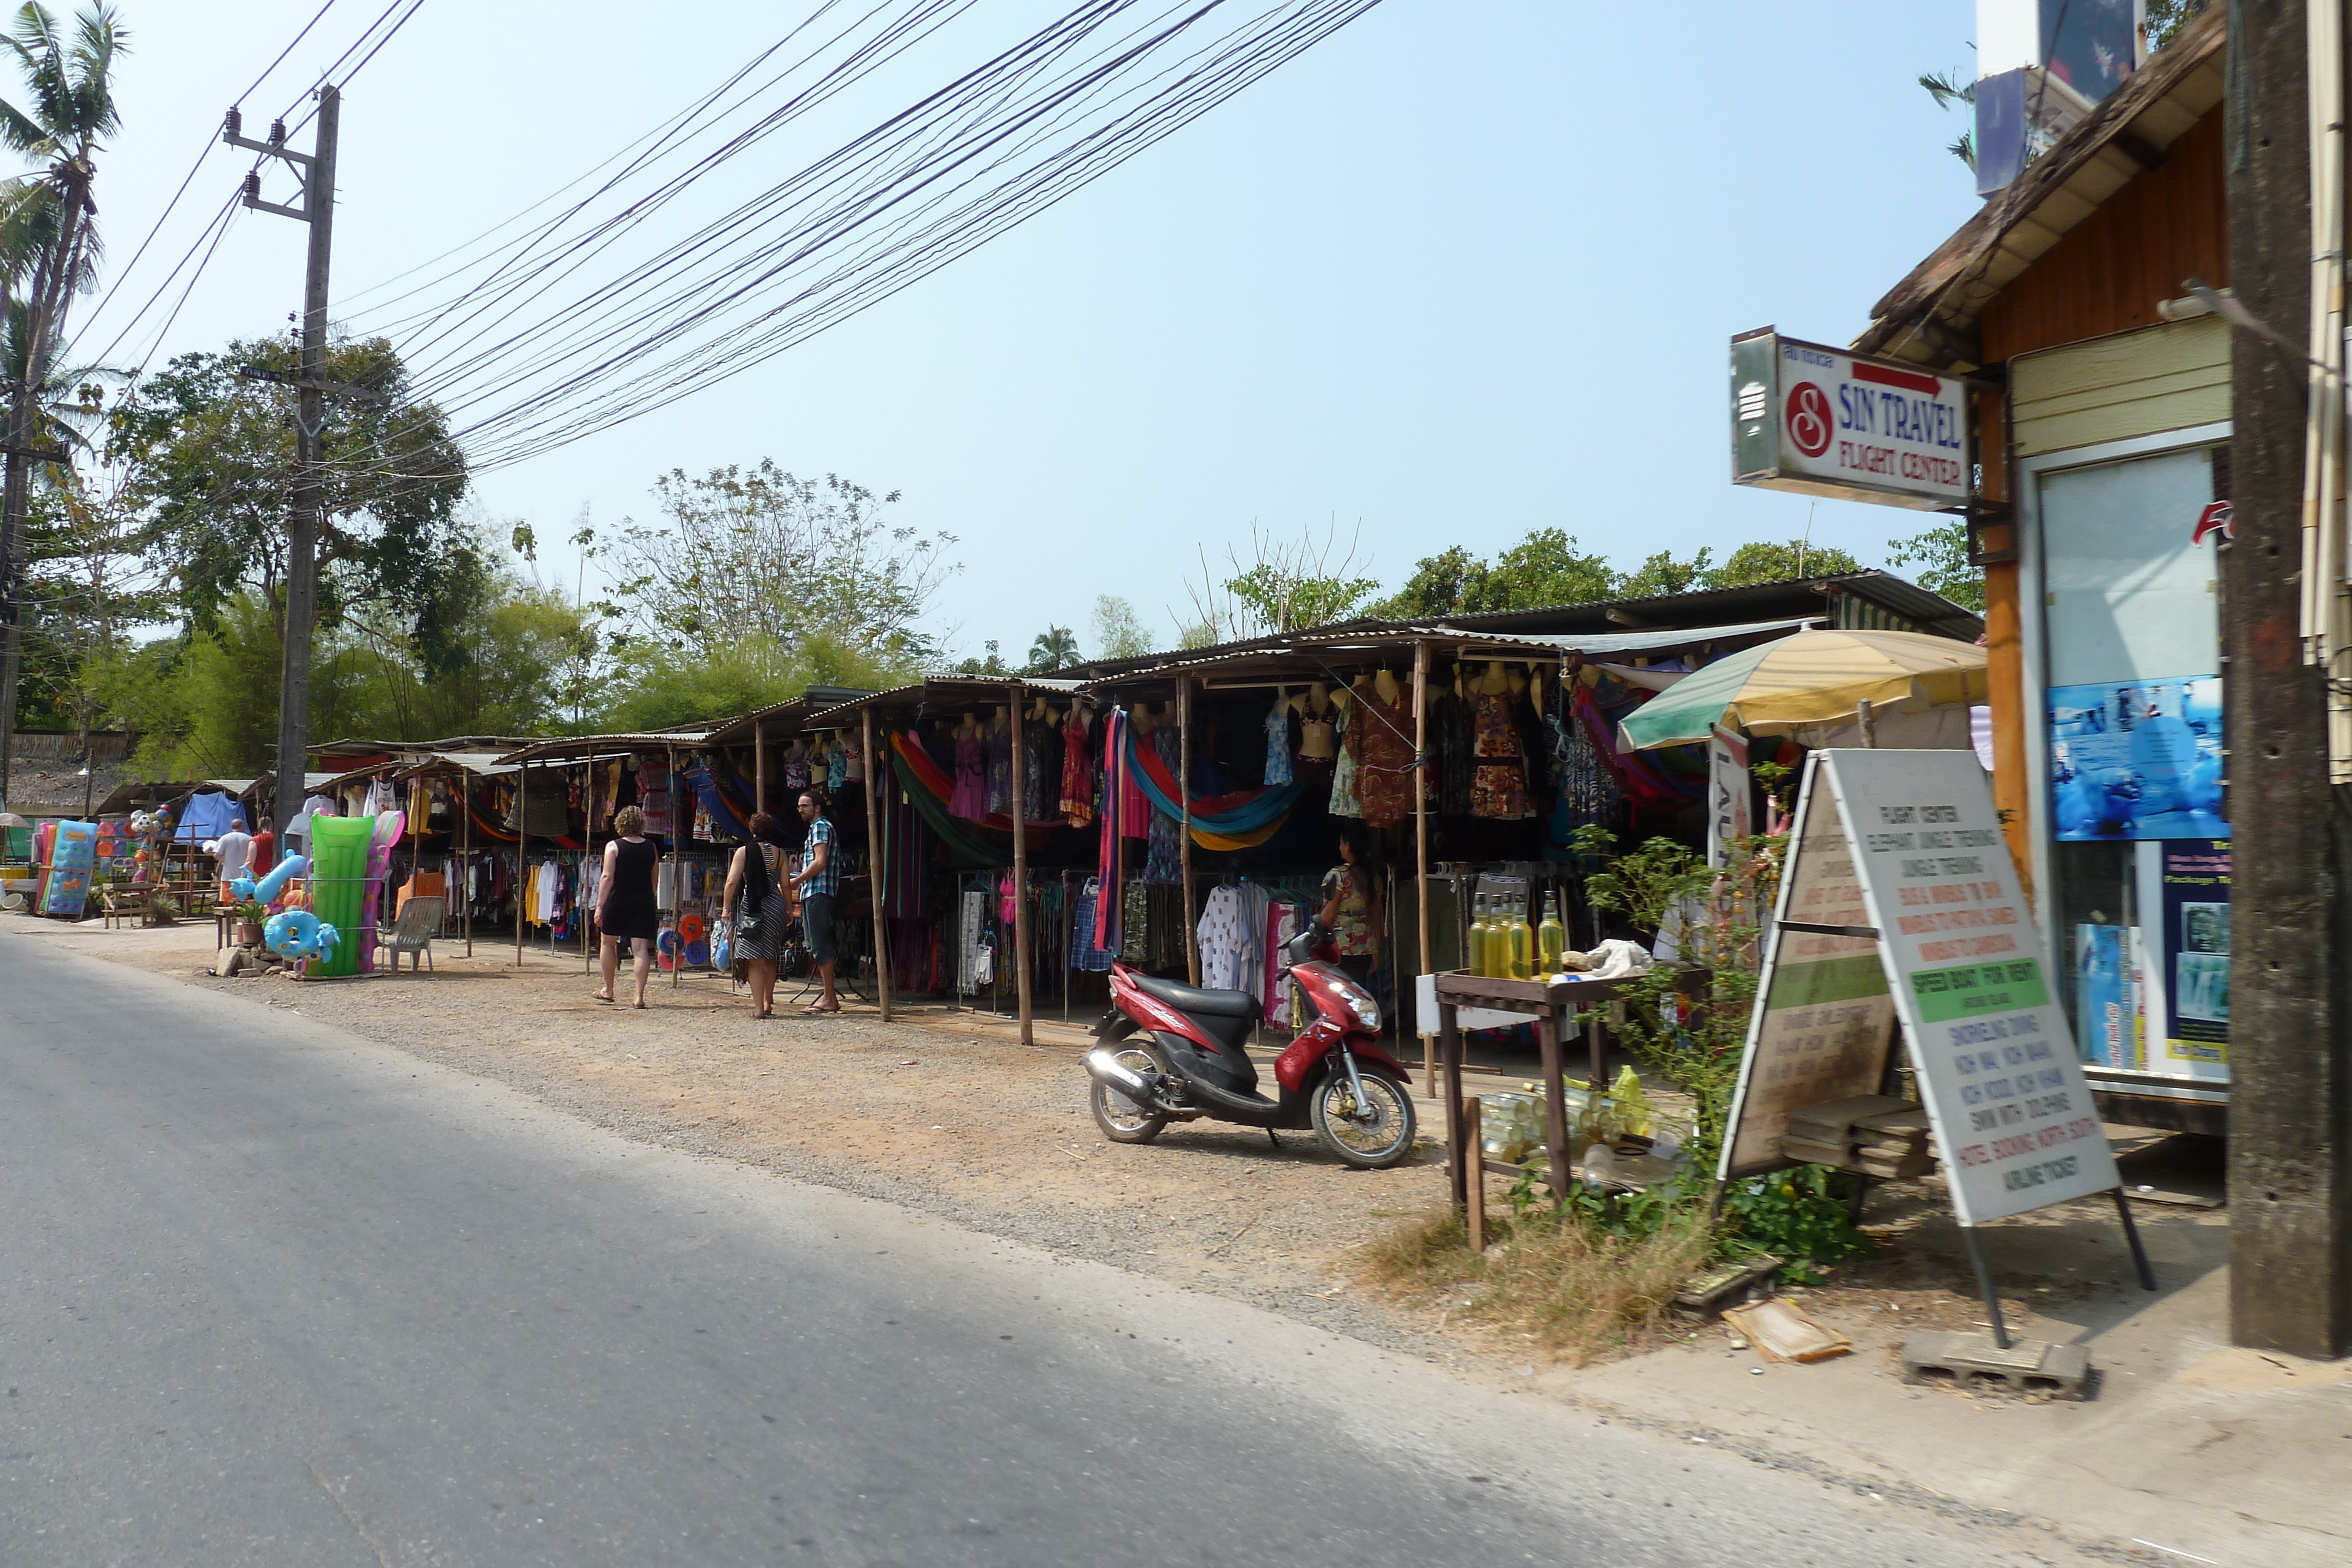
(1973, 1361)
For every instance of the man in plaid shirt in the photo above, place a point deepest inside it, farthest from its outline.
(820, 879)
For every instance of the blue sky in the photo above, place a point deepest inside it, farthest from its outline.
(1466, 270)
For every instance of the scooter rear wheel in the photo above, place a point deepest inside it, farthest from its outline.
(1120, 1119)
(1369, 1136)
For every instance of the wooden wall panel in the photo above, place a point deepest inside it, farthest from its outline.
(2170, 224)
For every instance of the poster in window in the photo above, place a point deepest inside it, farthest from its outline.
(2137, 761)
(2196, 946)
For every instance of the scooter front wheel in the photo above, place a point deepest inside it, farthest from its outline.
(1123, 1121)
(1371, 1134)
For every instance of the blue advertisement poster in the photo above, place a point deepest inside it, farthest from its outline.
(2137, 761)
(2106, 1002)
(2197, 949)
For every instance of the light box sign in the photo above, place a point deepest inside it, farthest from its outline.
(1821, 422)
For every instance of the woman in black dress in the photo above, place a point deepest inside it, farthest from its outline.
(625, 907)
(752, 888)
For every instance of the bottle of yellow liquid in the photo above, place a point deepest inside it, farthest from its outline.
(1481, 933)
(1520, 943)
(1551, 939)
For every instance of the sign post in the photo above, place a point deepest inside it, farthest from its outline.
(1900, 909)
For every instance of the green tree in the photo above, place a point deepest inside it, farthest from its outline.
(778, 571)
(1056, 648)
(213, 450)
(1118, 630)
(1663, 574)
(49, 249)
(1545, 568)
(1285, 587)
(994, 664)
(1766, 562)
(1941, 555)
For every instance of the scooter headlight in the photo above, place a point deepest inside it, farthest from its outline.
(1359, 1002)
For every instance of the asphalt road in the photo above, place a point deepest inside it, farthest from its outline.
(273, 1295)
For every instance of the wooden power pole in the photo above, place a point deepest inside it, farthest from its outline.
(317, 172)
(2291, 1025)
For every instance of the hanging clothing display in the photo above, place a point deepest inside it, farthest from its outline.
(998, 743)
(1384, 774)
(1498, 786)
(1040, 770)
(1084, 952)
(1223, 938)
(796, 769)
(852, 758)
(653, 784)
(1077, 773)
(1451, 737)
(973, 969)
(1277, 742)
(1165, 864)
(1343, 772)
(970, 799)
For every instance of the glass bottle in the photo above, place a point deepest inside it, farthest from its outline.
(1480, 931)
(1551, 938)
(1519, 942)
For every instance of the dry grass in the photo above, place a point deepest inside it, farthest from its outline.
(1579, 1294)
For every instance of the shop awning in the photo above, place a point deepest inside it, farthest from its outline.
(1807, 679)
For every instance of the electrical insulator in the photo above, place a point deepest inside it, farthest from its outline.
(253, 185)
(233, 125)
(277, 133)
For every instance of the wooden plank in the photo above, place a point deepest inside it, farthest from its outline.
(1449, 1048)
(1476, 1209)
(1555, 1102)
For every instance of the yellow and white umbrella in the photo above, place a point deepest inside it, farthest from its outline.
(1809, 680)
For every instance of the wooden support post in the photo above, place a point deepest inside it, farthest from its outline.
(1421, 850)
(1184, 837)
(760, 765)
(465, 853)
(677, 884)
(1474, 1120)
(1021, 873)
(1555, 1099)
(876, 867)
(523, 851)
(587, 853)
(1449, 1047)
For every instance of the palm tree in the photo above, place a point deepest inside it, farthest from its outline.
(48, 250)
(1057, 647)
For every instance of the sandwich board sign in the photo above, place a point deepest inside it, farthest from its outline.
(1901, 909)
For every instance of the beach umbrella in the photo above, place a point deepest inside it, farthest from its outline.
(1808, 680)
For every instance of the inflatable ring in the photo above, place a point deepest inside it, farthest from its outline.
(690, 927)
(666, 944)
(698, 955)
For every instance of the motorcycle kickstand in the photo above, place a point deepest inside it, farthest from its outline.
(1271, 1138)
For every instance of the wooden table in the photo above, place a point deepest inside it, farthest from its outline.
(1553, 1004)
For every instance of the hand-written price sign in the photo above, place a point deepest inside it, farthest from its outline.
(1997, 1067)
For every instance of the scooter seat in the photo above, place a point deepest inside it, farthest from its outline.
(1198, 1000)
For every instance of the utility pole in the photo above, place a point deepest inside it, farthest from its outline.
(2291, 1029)
(317, 173)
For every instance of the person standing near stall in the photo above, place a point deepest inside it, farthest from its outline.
(626, 908)
(760, 937)
(820, 881)
(1352, 906)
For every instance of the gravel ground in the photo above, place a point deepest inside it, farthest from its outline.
(975, 1128)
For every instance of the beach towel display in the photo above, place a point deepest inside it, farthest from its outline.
(389, 826)
(66, 891)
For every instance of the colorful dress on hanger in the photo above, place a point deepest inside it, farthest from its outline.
(1451, 737)
(836, 769)
(1343, 772)
(998, 744)
(1038, 770)
(1384, 776)
(969, 801)
(796, 773)
(1165, 863)
(1498, 784)
(1077, 773)
(1277, 744)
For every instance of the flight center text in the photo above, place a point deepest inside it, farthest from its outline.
(1898, 417)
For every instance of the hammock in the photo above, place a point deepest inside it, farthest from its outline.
(1237, 821)
(1645, 781)
(942, 789)
(952, 831)
(723, 812)
(490, 829)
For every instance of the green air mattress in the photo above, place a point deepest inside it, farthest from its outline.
(338, 857)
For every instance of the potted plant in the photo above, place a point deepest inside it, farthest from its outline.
(249, 916)
(163, 910)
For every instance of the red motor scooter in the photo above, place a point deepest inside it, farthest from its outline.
(1185, 1059)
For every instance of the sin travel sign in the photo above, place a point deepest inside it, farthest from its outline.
(1816, 420)
(1901, 856)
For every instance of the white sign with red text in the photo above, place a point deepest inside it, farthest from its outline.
(1998, 1070)
(1813, 419)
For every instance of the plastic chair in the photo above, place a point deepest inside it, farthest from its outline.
(420, 917)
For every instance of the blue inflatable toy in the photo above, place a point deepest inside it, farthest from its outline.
(298, 934)
(267, 889)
